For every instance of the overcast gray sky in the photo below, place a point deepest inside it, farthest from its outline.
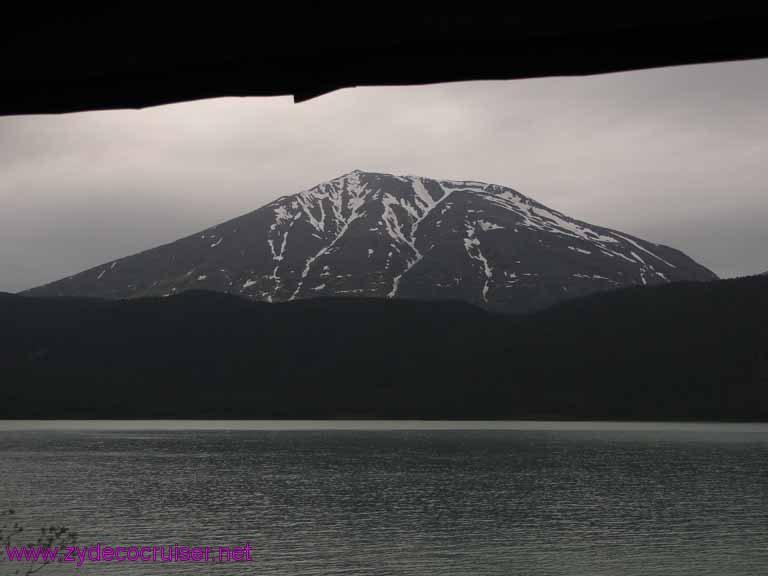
(677, 156)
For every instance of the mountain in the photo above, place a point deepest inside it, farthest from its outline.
(378, 235)
(687, 350)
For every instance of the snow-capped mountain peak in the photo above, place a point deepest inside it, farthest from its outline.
(381, 235)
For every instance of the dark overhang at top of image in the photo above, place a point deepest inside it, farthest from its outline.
(67, 57)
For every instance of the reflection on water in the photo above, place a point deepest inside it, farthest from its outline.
(491, 498)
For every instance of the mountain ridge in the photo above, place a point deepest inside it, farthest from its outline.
(686, 350)
(369, 234)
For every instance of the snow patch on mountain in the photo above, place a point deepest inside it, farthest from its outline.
(425, 203)
(331, 193)
(472, 246)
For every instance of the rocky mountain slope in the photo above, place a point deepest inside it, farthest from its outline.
(384, 236)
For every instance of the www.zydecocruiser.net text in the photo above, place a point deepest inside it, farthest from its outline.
(101, 553)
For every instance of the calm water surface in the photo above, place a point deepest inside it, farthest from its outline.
(401, 498)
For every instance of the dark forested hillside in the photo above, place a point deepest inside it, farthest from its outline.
(684, 350)
(695, 350)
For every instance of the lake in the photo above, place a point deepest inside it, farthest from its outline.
(392, 498)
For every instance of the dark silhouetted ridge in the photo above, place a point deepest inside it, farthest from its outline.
(695, 350)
